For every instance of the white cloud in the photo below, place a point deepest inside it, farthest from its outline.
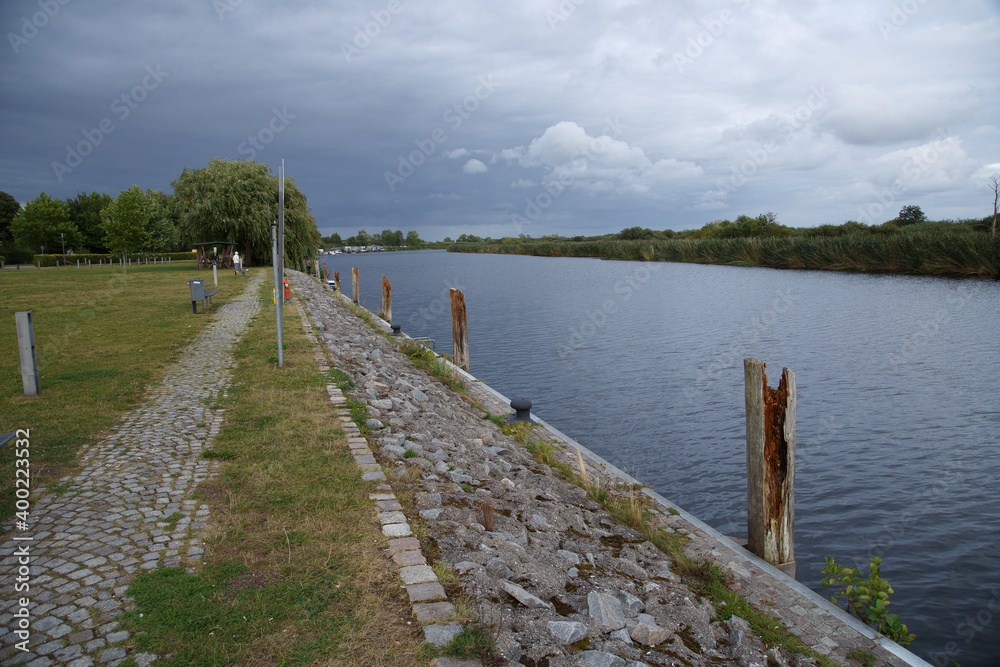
(457, 153)
(599, 163)
(523, 183)
(474, 166)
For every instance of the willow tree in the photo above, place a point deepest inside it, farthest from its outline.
(235, 201)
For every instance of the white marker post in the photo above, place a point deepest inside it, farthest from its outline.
(26, 346)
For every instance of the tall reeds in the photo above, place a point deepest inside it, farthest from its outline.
(913, 253)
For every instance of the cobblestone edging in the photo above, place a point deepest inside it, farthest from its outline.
(819, 624)
(128, 510)
(427, 595)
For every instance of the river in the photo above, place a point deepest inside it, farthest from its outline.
(898, 416)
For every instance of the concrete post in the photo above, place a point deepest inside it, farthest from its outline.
(26, 348)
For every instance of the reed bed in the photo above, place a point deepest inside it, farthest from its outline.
(912, 253)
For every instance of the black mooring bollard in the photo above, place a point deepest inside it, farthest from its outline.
(397, 329)
(522, 411)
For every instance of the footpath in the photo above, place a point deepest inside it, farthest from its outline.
(551, 575)
(129, 509)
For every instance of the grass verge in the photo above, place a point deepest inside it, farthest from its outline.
(101, 338)
(294, 572)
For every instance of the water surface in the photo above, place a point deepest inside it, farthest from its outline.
(898, 423)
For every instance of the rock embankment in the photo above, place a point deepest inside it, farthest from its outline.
(552, 575)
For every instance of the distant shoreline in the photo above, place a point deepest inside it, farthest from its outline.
(966, 255)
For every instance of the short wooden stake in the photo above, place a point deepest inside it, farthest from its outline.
(336, 279)
(316, 266)
(386, 300)
(355, 288)
(770, 466)
(459, 330)
(326, 275)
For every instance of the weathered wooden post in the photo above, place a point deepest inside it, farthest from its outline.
(459, 331)
(355, 289)
(770, 466)
(326, 275)
(316, 266)
(386, 300)
(336, 279)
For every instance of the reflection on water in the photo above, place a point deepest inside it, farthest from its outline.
(898, 423)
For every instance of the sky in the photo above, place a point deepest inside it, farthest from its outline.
(536, 117)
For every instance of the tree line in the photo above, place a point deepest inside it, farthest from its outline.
(387, 238)
(231, 201)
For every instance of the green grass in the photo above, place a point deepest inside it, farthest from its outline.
(294, 571)
(922, 253)
(101, 339)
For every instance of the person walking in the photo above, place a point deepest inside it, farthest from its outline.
(236, 262)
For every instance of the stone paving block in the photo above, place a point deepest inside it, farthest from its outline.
(417, 574)
(373, 476)
(396, 530)
(427, 592)
(440, 635)
(403, 544)
(406, 558)
(433, 611)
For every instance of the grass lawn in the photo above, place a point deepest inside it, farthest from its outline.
(295, 572)
(101, 339)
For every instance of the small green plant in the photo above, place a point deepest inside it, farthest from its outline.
(867, 599)
(467, 488)
(409, 454)
(862, 658)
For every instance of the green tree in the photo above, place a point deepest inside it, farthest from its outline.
(45, 222)
(85, 213)
(9, 208)
(391, 239)
(125, 223)
(413, 239)
(161, 233)
(636, 233)
(236, 201)
(331, 241)
(910, 215)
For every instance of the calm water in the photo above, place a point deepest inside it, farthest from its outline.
(898, 422)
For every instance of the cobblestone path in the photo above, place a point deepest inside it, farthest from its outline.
(128, 510)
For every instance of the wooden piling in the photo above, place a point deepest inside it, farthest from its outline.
(316, 266)
(355, 288)
(326, 274)
(459, 330)
(386, 300)
(336, 279)
(770, 416)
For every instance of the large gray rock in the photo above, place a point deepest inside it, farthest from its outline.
(568, 632)
(606, 610)
(602, 659)
(441, 635)
(649, 634)
(526, 598)
(630, 603)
